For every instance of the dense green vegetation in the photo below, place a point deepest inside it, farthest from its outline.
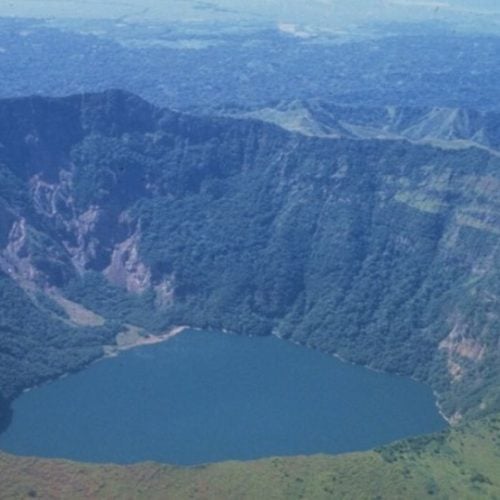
(417, 66)
(462, 463)
(343, 245)
(37, 344)
(383, 252)
(117, 305)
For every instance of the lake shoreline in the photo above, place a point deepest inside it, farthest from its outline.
(452, 420)
(137, 340)
(109, 351)
(140, 338)
(252, 378)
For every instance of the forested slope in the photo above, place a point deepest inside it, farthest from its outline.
(382, 251)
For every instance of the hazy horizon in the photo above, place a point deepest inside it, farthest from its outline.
(325, 14)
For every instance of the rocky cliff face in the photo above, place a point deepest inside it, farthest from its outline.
(375, 248)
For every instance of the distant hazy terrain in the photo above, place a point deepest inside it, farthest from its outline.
(192, 65)
(316, 14)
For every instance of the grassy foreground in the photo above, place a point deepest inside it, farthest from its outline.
(462, 463)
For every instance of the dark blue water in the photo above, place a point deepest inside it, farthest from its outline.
(204, 397)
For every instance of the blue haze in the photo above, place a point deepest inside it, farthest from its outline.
(322, 14)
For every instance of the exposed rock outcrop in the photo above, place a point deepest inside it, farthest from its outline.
(126, 268)
(362, 237)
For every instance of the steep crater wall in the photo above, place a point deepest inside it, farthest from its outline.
(381, 251)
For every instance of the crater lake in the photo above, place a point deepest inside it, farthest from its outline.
(206, 396)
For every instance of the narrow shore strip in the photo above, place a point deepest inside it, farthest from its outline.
(125, 344)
